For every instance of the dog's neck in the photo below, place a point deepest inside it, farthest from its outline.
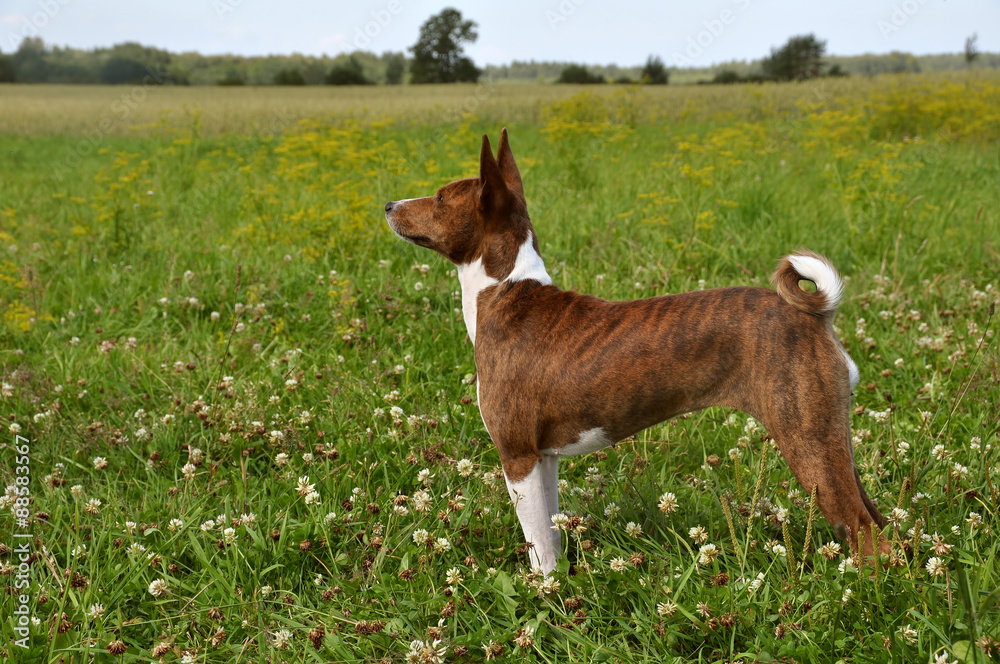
(474, 280)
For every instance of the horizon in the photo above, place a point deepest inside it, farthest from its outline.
(708, 35)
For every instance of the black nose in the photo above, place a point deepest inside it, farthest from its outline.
(389, 206)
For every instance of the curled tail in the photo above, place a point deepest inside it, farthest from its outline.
(805, 265)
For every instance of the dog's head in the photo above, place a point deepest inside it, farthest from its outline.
(475, 218)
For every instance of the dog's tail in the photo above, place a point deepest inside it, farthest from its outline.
(807, 266)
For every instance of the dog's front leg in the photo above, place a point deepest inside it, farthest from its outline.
(536, 500)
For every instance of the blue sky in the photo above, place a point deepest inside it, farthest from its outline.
(588, 31)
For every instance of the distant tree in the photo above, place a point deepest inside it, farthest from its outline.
(799, 59)
(578, 74)
(727, 76)
(30, 65)
(655, 72)
(624, 80)
(347, 72)
(120, 70)
(232, 79)
(289, 77)
(836, 71)
(438, 55)
(7, 74)
(395, 67)
(971, 49)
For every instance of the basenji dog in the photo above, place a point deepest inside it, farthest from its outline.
(561, 373)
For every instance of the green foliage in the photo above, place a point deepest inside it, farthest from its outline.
(232, 79)
(118, 69)
(289, 77)
(578, 74)
(438, 55)
(347, 72)
(395, 68)
(801, 58)
(655, 72)
(971, 49)
(7, 73)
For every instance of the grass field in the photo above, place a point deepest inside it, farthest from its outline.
(245, 416)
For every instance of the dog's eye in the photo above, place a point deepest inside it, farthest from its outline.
(440, 197)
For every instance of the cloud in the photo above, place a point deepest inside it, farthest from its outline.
(13, 19)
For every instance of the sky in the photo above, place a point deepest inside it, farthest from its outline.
(620, 32)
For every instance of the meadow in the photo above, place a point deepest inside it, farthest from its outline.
(240, 416)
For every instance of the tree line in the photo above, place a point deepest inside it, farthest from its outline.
(438, 57)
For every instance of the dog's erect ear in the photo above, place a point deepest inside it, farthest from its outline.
(508, 169)
(494, 191)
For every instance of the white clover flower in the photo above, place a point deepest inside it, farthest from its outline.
(189, 470)
(755, 585)
(707, 553)
(330, 518)
(779, 550)
(935, 567)
(281, 459)
(100, 463)
(667, 608)
(698, 534)
(207, 525)
(442, 545)
(559, 521)
(312, 498)
(633, 529)
(175, 525)
(282, 639)
(847, 565)
(464, 467)
(158, 588)
(96, 611)
(229, 536)
(618, 564)
(304, 488)
(898, 516)
(421, 537)
(453, 576)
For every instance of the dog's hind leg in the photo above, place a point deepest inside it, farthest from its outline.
(534, 497)
(820, 456)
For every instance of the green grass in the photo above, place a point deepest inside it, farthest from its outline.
(321, 311)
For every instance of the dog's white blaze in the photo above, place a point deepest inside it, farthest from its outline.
(532, 497)
(473, 278)
(529, 265)
(825, 277)
(589, 441)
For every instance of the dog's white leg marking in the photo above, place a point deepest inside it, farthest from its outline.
(589, 441)
(529, 265)
(532, 511)
(473, 278)
(550, 479)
